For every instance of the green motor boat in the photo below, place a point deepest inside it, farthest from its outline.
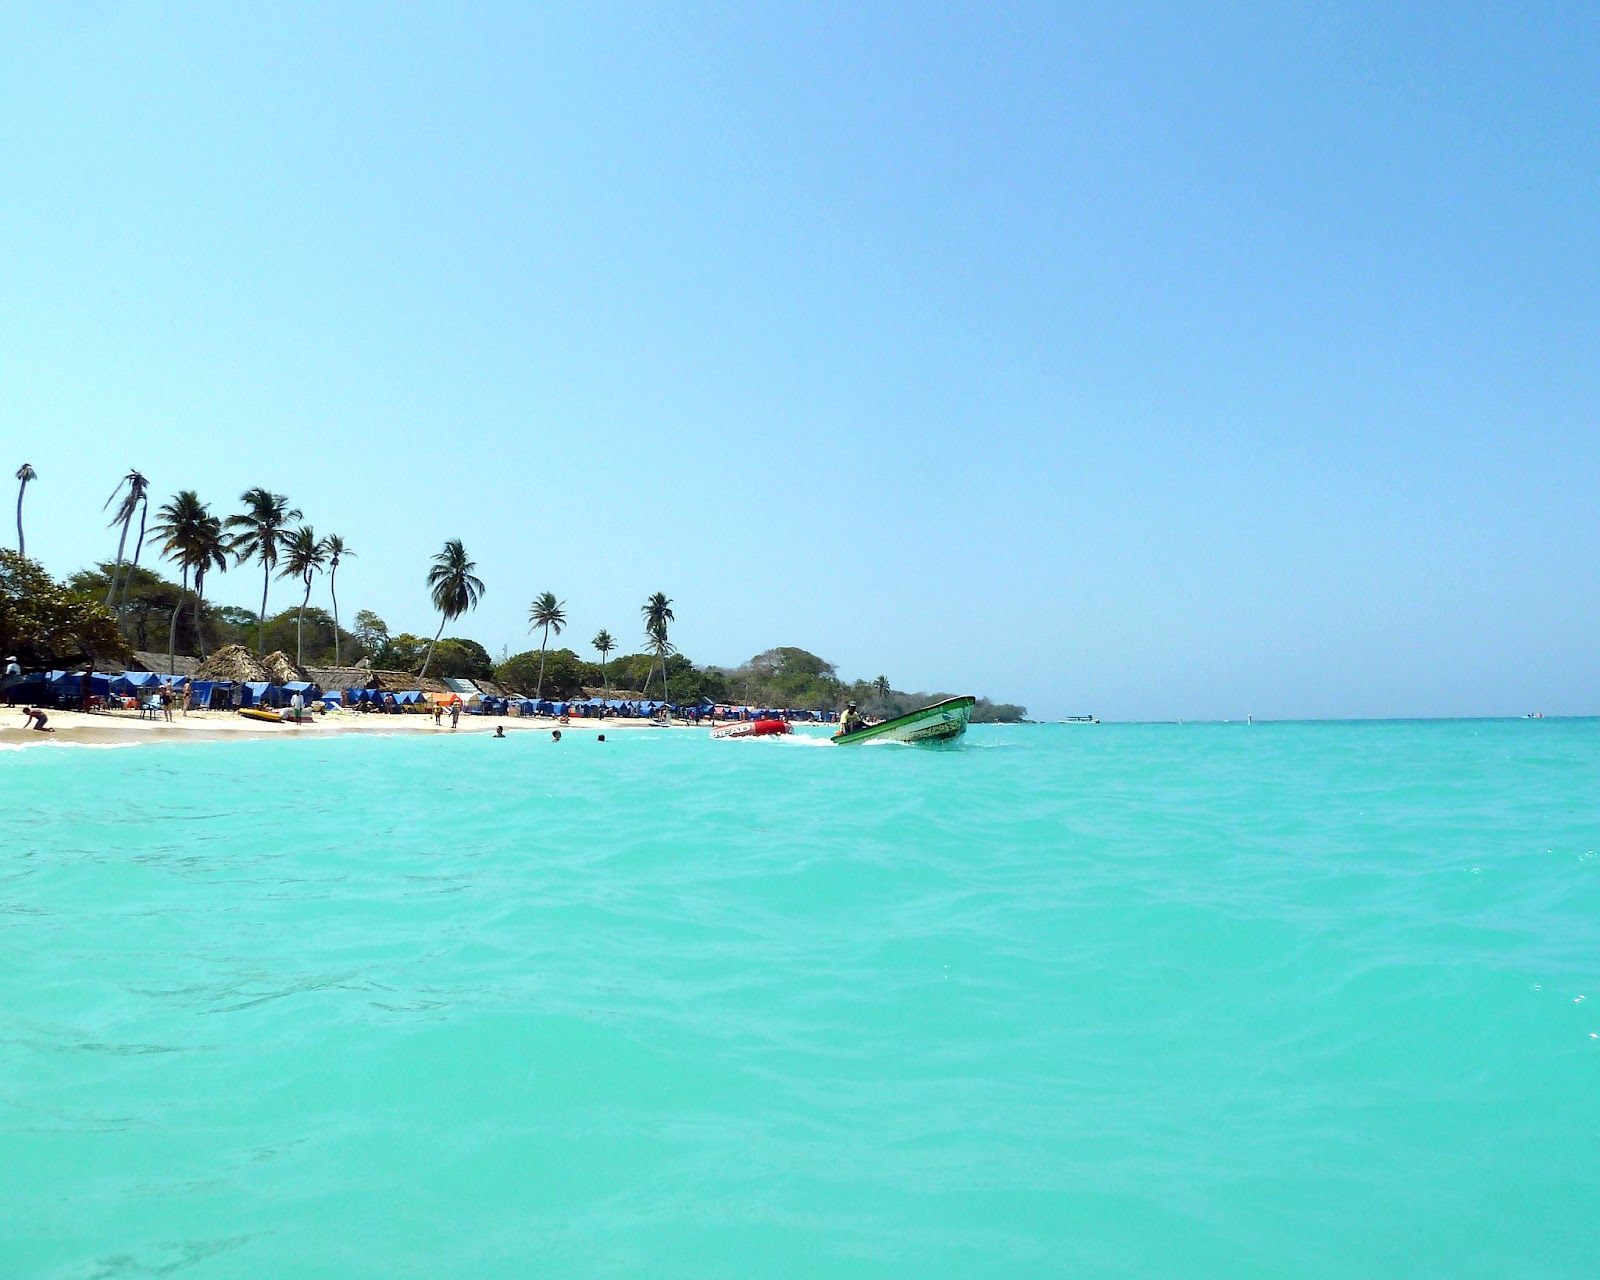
(939, 723)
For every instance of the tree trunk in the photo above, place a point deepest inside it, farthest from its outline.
(261, 635)
(605, 677)
(333, 590)
(300, 625)
(116, 569)
(22, 547)
(431, 643)
(538, 691)
(199, 613)
(127, 586)
(172, 631)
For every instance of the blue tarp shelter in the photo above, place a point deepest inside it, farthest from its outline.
(258, 693)
(203, 690)
(72, 681)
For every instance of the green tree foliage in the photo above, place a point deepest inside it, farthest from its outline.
(454, 586)
(372, 632)
(986, 712)
(317, 632)
(146, 604)
(453, 656)
(566, 675)
(258, 535)
(787, 677)
(47, 623)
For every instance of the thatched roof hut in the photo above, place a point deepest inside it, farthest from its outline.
(233, 662)
(338, 679)
(157, 662)
(281, 668)
(400, 681)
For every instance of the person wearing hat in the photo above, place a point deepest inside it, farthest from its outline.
(13, 674)
(851, 720)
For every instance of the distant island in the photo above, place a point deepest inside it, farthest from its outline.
(111, 611)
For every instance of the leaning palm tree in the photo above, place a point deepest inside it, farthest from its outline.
(261, 527)
(455, 589)
(549, 613)
(605, 644)
(179, 527)
(25, 473)
(303, 558)
(132, 489)
(210, 549)
(657, 612)
(337, 551)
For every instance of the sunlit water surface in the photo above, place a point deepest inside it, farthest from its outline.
(1144, 1001)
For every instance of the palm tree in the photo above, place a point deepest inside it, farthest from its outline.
(605, 644)
(657, 612)
(880, 686)
(180, 526)
(260, 530)
(549, 613)
(455, 589)
(137, 487)
(337, 551)
(210, 548)
(25, 473)
(303, 558)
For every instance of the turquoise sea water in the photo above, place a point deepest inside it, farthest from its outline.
(1137, 1001)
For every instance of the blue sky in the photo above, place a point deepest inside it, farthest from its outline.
(1149, 360)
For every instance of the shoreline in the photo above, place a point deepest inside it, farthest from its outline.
(127, 728)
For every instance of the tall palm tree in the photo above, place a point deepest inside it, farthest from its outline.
(605, 644)
(210, 549)
(549, 613)
(179, 526)
(303, 558)
(261, 528)
(455, 589)
(25, 473)
(880, 686)
(657, 612)
(337, 551)
(132, 489)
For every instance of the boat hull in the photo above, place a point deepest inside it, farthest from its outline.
(941, 722)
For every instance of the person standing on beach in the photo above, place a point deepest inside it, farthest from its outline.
(188, 698)
(166, 701)
(455, 714)
(438, 715)
(85, 690)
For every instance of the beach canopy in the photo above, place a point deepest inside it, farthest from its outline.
(258, 692)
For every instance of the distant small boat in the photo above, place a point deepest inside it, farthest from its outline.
(938, 723)
(751, 729)
(1079, 720)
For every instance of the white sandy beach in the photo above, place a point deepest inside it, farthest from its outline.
(127, 728)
